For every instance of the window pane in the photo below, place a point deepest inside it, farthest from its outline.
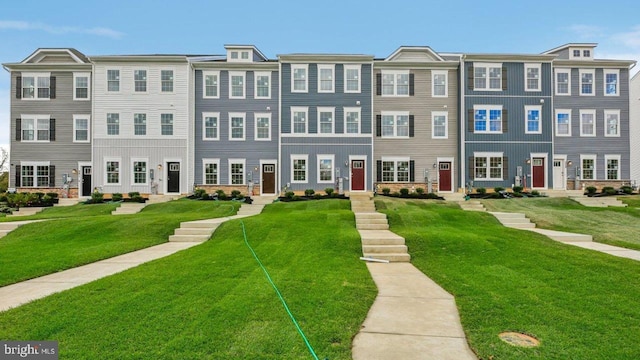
(326, 170)
(166, 121)
(388, 125)
(403, 84)
(211, 85)
(353, 122)
(388, 81)
(326, 122)
(563, 124)
(211, 127)
(167, 80)
(139, 172)
(140, 124)
(263, 128)
(480, 120)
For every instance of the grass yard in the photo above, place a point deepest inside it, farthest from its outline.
(46, 247)
(68, 211)
(613, 226)
(213, 301)
(580, 304)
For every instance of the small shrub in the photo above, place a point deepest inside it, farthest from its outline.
(517, 189)
(116, 197)
(497, 189)
(133, 193)
(481, 190)
(289, 195)
(309, 192)
(404, 192)
(317, 196)
(235, 194)
(627, 189)
(591, 190)
(420, 191)
(535, 193)
(609, 190)
(386, 191)
(199, 193)
(137, 198)
(97, 197)
(221, 194)
(329, 191)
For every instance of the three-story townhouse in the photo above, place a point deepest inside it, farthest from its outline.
(591, 118)
(416, 117)
(506, 128)
(326, 134)
(142, 137)
(236, 122)
(51, 123)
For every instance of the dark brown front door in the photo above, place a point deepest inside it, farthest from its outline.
(357, 175)
(444, 176)
(173, 177)
(86, 181)
(268, 179)
(538, 172)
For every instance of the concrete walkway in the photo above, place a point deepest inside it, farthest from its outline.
(21, 293)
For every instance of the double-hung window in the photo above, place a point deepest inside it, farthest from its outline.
(395, 169)
(210, 126)
(533, 119)
(140, 124)
(352, 120)
(113, 80)
(563, 81)
(532, 77)
(588, 167)
(263, 126)
(139, 172)
(35, 128)
(352, 78)
(326, 78)
(326, 117)
(81, 128)
(299, 116)
(299, 170)
(613, 166)
(325, 168)
(140, 80)
(166, 124)
(237, 126)
(210, 84)
(611, 77)
(439, 83)
(612, 123)
(299, 78)
(236, 171)
(563, 122)
(81, 88)
(36, 174)
(113, 124)
(112, 171)
(587, 82)
(487, 76)
(487, 119)
(237, 87)
(587, 123)
(166, 81)
(439, 125)
(36, 86)
(395, 124)
(210, 171)
(262, 85)
(488, 166)
(395, 83)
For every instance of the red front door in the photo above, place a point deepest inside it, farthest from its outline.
(357, 175)
(444, 176)
(538, 173)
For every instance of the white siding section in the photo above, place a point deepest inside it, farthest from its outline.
(634, 127)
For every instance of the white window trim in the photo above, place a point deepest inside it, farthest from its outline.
(306, 168)
(106, 81)
(555, 121)
(306, 77)
(146, 124)
(555, 80)
(488, 108)
(204, 84)
(244, 125)
(395, 115)
(395, 160)
(604, 81)
(305, 110)
(205, 162)
(595, 120)
(395, 74)
(487, 77)
(606, 167)
(332, 110)
(244, 84)
(35, 77)
(255, 120)
(35, 165)
(526, 119)
(446, 124)
(204, 129)
(353, 67)
(173, 124)
(173, 81)
(35, 127)
(80, 117)
(488, 155)
(110, 159)
(88, 76)
(607, 112)
(526, 83)
(356, 110)
(595, 165)
(256, 74)
(244, 170)
(107, 124)
(133, 88)
(331, 67)
(593, 84)
(446, 82)
(133, 175)
(333, 167)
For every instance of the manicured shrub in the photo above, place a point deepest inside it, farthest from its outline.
(481, 190)
(235, 194)
(137, 198)
(47, 199)
(221, 194)
(386, 191)
(420, 191)
(133, 193)
(404, 192)
(591, 190)
(116, 197)
(97, 197)
(329, 191)
(199, 193)
(535, 193)
(627, 189)
(609, 190)
(497, 189)
(517, 189)
(309, 192)
(289, 194)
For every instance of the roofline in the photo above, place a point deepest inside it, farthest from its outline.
(414, 48)
(595, 63)
(324, 57)
(140, 58)
(223, 65)
(509, 57)
(569, 45)
(67, 50)
(253, 47)
(51, 67)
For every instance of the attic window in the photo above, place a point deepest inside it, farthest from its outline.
(234, 54)
(245, 55)
(586, 53)
(576, 53)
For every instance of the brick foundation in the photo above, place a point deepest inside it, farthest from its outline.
(395, 187)
(211, 189)
(72, 193)
(599, 184)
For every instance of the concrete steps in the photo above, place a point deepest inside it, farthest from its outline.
(456, 196)
(156, 199)
(604, 201)
(471, 205)
(564, 236)
(128, 208)
(26, 211)
(514, 220)
(195, 231)
(67, 201)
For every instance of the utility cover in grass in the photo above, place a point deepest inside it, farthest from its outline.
(519, 339)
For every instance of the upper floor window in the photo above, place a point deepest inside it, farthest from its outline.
(587, 123)
(352, 78)
(166, 124)
(586, 82)
(487, 76)
(299, 78)
(236, 126)
(576, 53)
(140, 124)
(36, 86)
(533, 121)
(439, 125)
(166, 80)
(326, 78)
(395, 124)
(234, 55)
(611, 82)
(325, 120)
(113, 80)
(439, 83)
(563, 122)
(81, 86)
(263, 126)
(210, 126)
(352, 120)
(299, 120)
(563, 81)
(532, 77)
(487, 119)
(586, 53)
(236, 79)
(81, 128)
(140, 80)
(35, 128)
(395, 83)
(211, 84)
(263, 88)
(612, 123)
(113, 124)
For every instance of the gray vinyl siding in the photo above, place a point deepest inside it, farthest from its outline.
(62, 153)
(598, 145)
(421, 148)
(224, 149)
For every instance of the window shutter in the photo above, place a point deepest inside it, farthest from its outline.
(470, 120)
(412, 87)
(504, 78)
(505, 121)
(470, 78)
(18, 129)
(471, 175)
(52, 129)
(411, 125)
(52, 87)
(412, 170)
(378, 125)
(505, 168)
(19, 87)
(378, 170)
(18, 176)
(52, 176)
(379, 84)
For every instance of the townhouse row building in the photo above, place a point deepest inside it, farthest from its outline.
(165, 124)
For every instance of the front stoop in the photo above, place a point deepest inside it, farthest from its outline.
(471, 205)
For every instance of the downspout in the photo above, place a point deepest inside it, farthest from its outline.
(462, 111)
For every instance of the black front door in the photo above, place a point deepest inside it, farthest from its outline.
(173, 177)
(86, 181)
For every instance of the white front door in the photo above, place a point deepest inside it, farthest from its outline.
(559, 175)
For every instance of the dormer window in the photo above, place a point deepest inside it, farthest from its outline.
(234, 55)
(576, 53)
(586, 53)
(245, 55)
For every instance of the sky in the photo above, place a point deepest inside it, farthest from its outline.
(370, 27)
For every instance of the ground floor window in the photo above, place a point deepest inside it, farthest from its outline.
(395, 170)
(588, 167)
(488, 166)
(613, 167)
(299, 168)
(139, 172)
(35, 175)
(113, 172)
(237, 172)
(325, 168)
(211, 167)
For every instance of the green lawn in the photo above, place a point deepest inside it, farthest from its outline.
(213, 301)
(581, 304)
(611, 225)
(78, 210)
(46, 247)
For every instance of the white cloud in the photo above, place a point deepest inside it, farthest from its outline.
(58, 30)
(587, 31)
